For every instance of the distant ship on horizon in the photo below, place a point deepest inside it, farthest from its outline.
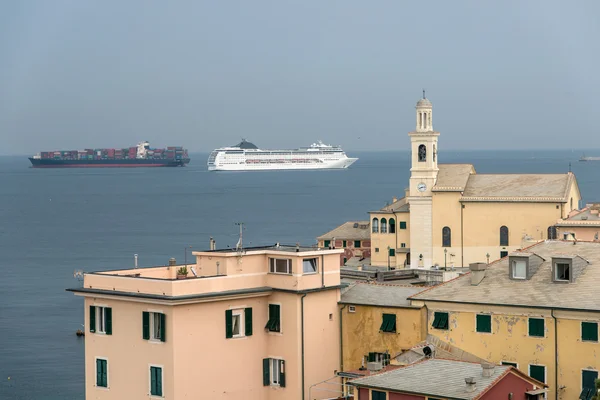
(246, 156)
(584, 158)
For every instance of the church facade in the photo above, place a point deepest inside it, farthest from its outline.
(452, 216)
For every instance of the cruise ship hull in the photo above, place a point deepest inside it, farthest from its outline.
(246, 166)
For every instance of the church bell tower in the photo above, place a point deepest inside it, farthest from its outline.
(423, 175)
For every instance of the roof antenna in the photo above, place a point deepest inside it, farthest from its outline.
(238, 246)
(569, 166)
(423, 93)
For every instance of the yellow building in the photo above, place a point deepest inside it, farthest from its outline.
(452, 216)
(259, 323)
(536, 309)
(378, 322)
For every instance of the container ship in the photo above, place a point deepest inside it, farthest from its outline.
(245, 156)
(140, 156)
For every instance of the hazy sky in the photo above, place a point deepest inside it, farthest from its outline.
(203, 74)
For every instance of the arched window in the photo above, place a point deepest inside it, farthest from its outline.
(446, 237)
(392, 225)
(434, 152)
(383, 225)
(552, 234)
(375, 225)
(503, 236)
(422, 153)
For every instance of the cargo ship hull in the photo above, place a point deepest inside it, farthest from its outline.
(50, 163)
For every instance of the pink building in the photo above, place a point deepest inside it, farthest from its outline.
(581, 224)
(259, 323)
(354, 237)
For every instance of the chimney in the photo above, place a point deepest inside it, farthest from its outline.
(172, 262)
(394, 199)
(333, 242)
(297, 247)
(487, 370)
(477, 272)
(471, 386)
(406, 192)
(213, 244)
(374, 366)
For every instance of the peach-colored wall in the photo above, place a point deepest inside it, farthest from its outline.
(586, 233)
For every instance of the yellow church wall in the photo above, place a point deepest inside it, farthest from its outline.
(574, 199)
(361, 335)
(381, 241)
(446, 212)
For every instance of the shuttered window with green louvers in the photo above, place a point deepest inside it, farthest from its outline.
(248, 321)
(154, 326)
(484, 323)
(440, 320)
(101, 373)
(92, 319)
(589, 331)
(536, 327)
(538, 372)
(274, 322)
(388, 323)
(100, 320)
(156, 387)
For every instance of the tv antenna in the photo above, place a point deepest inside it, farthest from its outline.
(78, 274)
(240, 244)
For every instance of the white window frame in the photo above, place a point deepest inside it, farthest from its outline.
(556, 271)
(153, 337)
(537, 337)
(107, 373)
(513, 268)
(100, 319)
(272, 362)
(538, 365)
(239, 313)
(588, 341)
(316, 271)
(273, 266)
(351, 309)
(162, 380)
(491, 324)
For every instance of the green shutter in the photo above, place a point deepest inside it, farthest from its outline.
(274, 324)
(146, 325)
(357, 244)
(589, 331)
(92, 319)
(484, 323)
(376, 395)
(392, 252)
(538, 372)
(248, 321)
(266, 372)
(588, 378)
(371, 357)
(108, 320)
(228, 324)
(159, 390)
(344, 244)
(440, 320)
(152, 380)
(402, 224)
(104, 377)
(536, 327)
(282, 374)
(389, 323)
(98, 372)
(326, 243)
(163, 327)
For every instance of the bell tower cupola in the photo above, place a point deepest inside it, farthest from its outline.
(424, 115)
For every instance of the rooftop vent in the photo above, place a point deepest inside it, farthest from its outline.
(471, 385)
(374, 366)
(487, 370)
(172, 261)
(427, 351)
(477, 272)
(356, 224)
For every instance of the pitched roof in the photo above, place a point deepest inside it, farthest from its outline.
(518, 187)
(538, 291)
(400, 205)
(440, 348)
(352, 230)
(376, 294)
(425, 378)
(452, 177)
(587, 216)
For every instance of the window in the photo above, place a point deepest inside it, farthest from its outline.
(552, 234)
(588, 387)
(536, 327)
(238, 323)
(357, 244)
(403, 245)
(512, 364)
(440, 320)
(503, 236)
(446, 237)
(101, 372)
(562, 271)
(154, 326)
(156, 387)
(101, 320)
(273, 372)
(344, 244)
(383, 225)
(376, 249)
(392, 225)
(375, 225)
(422, 153)
(377, 395)
(538, 372)
(283, 265)
(503, 254)
(402, 224)
(589, 331)
(484, 323)
(389, 323)
(309, 265)
(383, 358)
(274, 322)
(351, 309)
(345, 260)
(326, 243)
(519, 269)
(392, 252)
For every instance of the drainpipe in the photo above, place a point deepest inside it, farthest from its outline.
(302, 335)
(341, 341)
(462, 247)
(555, 355)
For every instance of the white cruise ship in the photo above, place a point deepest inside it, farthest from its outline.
(245, 156)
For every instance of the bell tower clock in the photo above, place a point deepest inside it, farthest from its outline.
(423, 175)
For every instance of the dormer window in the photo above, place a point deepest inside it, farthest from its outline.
(518, 269)
(562, 271)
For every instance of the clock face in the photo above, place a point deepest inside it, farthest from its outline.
(421, 187)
